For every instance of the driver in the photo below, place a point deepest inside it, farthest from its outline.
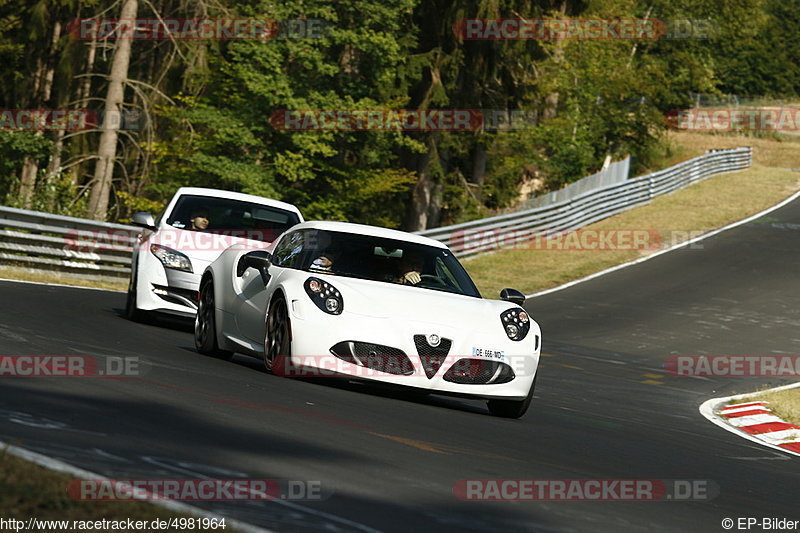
(330, 252)
(199, 219)
(410, 268)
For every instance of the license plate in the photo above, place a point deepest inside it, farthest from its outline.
(488, 353)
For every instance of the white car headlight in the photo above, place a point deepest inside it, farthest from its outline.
(324, 295)
(171, 258)
(516, 323)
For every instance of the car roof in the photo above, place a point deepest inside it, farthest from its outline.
(219, 193)
(374, 231)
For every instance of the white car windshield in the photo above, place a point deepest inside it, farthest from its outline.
(231, 217)
(373, 258)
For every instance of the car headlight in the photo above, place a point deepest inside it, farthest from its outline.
(324, 295)
(516, 323)
(171, 258)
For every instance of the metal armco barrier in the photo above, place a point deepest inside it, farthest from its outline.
(100, 250)
(65, 245)
(487, 234)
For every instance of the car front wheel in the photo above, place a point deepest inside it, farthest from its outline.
(205, 328)
(132, 311)
(277, 341)
(512, 408)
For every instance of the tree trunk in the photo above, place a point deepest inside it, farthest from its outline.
(42, 89)
(53, 168)
(84, 91)
(418, 208)
(551, 100)
(27, 181)
(479, 157)
(417, 216)
(107, 150)
(435, 206)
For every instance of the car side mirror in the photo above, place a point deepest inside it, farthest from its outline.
(144, 220)
(260, 260)
(513, 296)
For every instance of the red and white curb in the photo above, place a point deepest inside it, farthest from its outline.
(754, 421)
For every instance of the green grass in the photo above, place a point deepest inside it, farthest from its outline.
(28, 491)
(22, 274)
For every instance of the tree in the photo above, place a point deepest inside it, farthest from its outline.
(115, 97)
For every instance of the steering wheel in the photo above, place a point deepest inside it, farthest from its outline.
(435, 280)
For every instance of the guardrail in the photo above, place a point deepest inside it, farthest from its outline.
(99, 250)
(487, 234)
(66, 245)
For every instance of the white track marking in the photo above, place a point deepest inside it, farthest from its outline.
(178, 507)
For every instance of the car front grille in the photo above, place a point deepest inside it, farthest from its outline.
(431, 357)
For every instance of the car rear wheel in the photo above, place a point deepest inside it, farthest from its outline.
(205, 328)
(512, 408)
(277, 341)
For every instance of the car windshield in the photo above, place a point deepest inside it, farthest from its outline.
(231, 217)
(375, 259)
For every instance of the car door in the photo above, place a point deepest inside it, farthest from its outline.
(253, 296)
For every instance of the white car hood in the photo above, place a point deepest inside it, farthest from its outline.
(415, 304)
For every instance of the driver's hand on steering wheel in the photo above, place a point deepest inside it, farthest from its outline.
(412, 277)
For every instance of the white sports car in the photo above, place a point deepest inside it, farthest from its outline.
(360, 302)
(196, 226)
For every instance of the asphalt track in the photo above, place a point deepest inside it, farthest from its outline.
(604, 407)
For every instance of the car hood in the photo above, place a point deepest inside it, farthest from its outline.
(415, 304)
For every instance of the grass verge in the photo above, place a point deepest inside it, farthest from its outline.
(22, 274)
(29, 491)
(774, 150)
(784, 403)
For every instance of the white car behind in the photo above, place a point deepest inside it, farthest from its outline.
(171, 254)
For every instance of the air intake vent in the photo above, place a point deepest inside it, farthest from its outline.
(479, 372)
(375, 357)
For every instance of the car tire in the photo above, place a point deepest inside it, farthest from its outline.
(512, 408)
(277, 339)
(205, 324)
(132, 312)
